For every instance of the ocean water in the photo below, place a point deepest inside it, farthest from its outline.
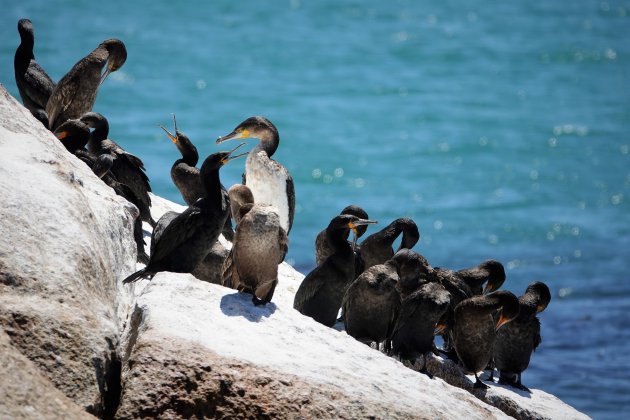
(502, 129)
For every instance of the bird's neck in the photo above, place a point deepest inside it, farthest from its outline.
(338, 240)
(190, 156)
(269, 142)
(23, 55)
(212, 185)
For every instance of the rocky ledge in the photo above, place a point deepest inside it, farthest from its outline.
(75, 342)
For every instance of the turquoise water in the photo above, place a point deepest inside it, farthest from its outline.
(501, 129)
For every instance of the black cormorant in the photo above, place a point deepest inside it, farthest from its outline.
(517, 340)
(127, 168)
(474, 332)
(321, 292)
(377, 248)
(76, 92)
(34, 85)
(416, 325)
(181, 241)
(372, 303)
(185, 174)
(322, 248)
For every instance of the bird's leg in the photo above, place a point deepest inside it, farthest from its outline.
(478, 384)
(424, 367)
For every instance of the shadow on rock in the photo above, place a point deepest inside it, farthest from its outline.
(240, 304)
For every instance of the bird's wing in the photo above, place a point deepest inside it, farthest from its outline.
(160, 228)
(39, 85)
(229, 276)
(309, 288)
(290, 198)
(407, 309)
(537, 336)
(283, 243)
(61, 97)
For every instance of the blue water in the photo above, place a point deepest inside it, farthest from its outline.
(501, 128)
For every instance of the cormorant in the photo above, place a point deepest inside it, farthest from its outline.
(413, 269)
(74, 135)
(34, 85)
(321, 292)
(474, 331)
(416, 325)
(76, 92)
(322, 248)
(102, 168)
(371, 304)
(269, 181)
(186, 175)
(490, 271)
(239, 196)
(181, 241)
(517, 340)
(377, 248)
(260, 244)
(127, 168)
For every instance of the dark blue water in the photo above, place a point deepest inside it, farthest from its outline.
(502, 129)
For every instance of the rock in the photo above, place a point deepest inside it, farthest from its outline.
(514, 402)
(66, 241)
(197, 349)
(26, 393)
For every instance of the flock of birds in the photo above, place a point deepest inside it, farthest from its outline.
(392, 300)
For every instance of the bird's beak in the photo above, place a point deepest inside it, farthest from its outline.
(489, 288)
(61, 135)
(361, 222)
(502, 321)
(236, 134)
(439, 329)
(170, 136)
(106, 72)
(540, 307)
(229, 157)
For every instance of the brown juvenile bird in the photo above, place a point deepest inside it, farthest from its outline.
(517, 340)
(475, 331)
(76, 92)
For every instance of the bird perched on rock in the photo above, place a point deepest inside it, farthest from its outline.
(475, 331)
(377, 248)
(322, 248)
(127, 168)
(75, 93)
(185, 174)
(34, 84)
(416, 324)
(239, 196)
(74, 135)
(321, 292)
(517, 340)
(181, 241)
(269, 181)
(371, 304)
(260, 244)
(102, 166)
(413, 270)
(490, 271)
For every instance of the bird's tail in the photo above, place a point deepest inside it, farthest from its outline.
(141, 274)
